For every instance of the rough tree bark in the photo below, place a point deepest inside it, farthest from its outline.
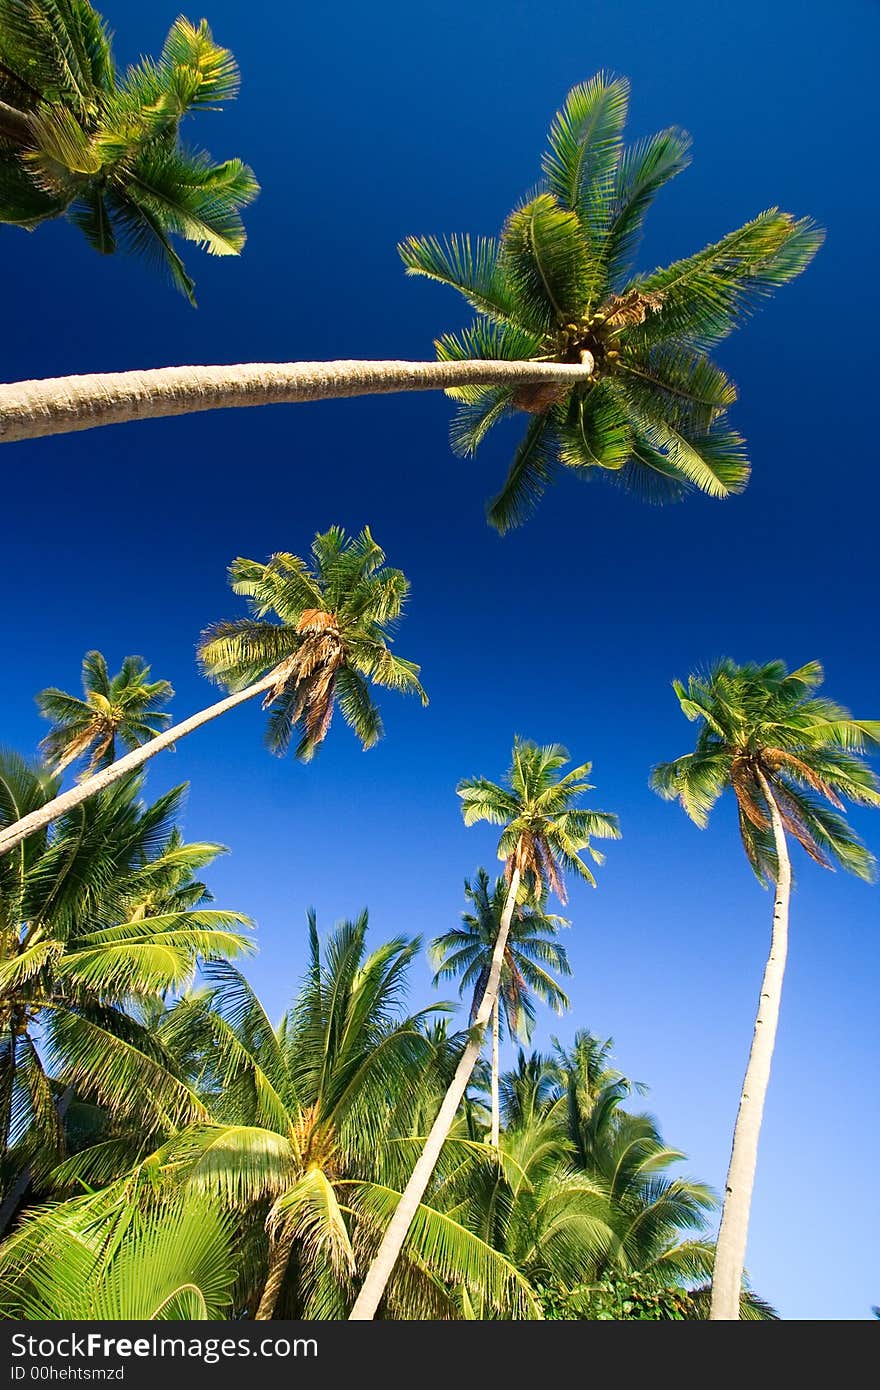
(279, 1258)
(62, 405)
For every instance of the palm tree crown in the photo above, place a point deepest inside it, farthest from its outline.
(764, 727)
(556, 286)
(125, 707)
(530, 953)
(78, 137)
(310, 1128)
(332, 640)
(99, 918)
(544, 832)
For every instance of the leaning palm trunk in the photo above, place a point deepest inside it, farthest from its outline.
(61, 405)
(496, 1106)
(279, 1258)
(730, 1252)
(379, 1273)
(14, 125)
(44, 815)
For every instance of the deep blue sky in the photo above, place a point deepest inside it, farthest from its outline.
(365, 123)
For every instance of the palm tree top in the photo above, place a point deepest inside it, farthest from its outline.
(125, 706)
(81, 138)
(556, 286)
(101, 920)
(765, 727)
(544, 831)
(465, 952)
(332, 638)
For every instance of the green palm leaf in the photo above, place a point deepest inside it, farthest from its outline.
(545, 263)
(557, 287)
(104, 146)
(442, 1244)
(89, 1260)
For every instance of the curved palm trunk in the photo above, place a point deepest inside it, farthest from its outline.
(44, 815)
(730, 1251)
(279, 1258)
(14, 125)
(31, 409)
(379, 1273)
(496, 1105)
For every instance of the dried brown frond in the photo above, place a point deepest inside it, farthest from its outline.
(745, 787)
(539, 398)
(776, 758)
(551, 876)
(316, 620)
(627, 310)
(319, 710)
(76, 747)
(311, 671)
(794, 824)
(282, 673)
(315, 652)
(537, 867)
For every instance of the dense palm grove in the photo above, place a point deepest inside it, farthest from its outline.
(265, 1157)
(168, 1150)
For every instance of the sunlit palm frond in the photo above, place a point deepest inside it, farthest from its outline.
(557, 287)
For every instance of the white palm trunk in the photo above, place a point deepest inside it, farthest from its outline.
(380, 1270)
(37, 820)
(62, 405)
(730, 1252)
(495, 1138)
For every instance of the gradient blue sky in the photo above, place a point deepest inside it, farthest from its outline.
(365, 124)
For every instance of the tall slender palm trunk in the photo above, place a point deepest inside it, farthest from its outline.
(730, 1252)
(44, 815)
(495, 1137)
(279, 1258)
(379, 1273)
(61, 405)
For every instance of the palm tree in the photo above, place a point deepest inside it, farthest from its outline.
(547, 1217)
(528, 1089)
(557, 286)
(122, 1254)
(586, 1198)
(467, 951)
(80, 139)
(571, 1220)
(543, 835)
(330, 643)
(81, 951)
(784, 751)
(613, 370)
(626, 1156)
(309, 1122)
(124, 707)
